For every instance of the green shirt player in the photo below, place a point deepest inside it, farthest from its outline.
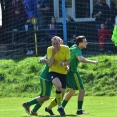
(46, 87)
(74, 81)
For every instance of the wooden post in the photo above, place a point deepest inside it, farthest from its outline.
(34, 21)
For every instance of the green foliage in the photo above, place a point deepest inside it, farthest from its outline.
(20, 77)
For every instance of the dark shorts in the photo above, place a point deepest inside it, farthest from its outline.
(61, 77)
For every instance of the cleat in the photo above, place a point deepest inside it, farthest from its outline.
(80, 112)
(49, 111)
(26, 107)
(34, 113)
(61, 111)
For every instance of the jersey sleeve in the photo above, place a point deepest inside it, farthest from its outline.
(78, 53)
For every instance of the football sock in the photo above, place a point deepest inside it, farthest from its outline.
(34, 101)
(58, 97)
(36, 107)
(64, 103)
(52, 104)
(80, 103)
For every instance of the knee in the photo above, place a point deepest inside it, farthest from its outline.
(72, 92)
(82, 91)
(59, 87)
(47, 98)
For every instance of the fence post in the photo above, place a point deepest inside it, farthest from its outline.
(64, 22)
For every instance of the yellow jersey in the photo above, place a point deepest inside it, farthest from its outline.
(63, 54)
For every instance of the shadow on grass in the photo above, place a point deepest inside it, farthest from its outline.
(57, 115)
(71, 115)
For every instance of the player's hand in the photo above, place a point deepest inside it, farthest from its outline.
(54, 62)
(67, 68)
(54, 50)
(62, 63)
(95, 62)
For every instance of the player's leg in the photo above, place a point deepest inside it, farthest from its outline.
(46, 87)
(71, 84)
(81, 94)
(60, 83)
(68, 95)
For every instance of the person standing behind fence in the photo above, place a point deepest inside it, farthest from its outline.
(71, 28)
(101, 13)
(51, 29)
(17, 18)
(113, 11)
(17, 15)
(43, 7)
(59, 56)
(104, 36)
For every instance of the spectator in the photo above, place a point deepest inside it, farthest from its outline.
(114, 35)
(71, 27)
(113, 11)
(17, 14)
(82, 8)
(101, 13)
(104, 36)
(87, 8)
(43, 7)
(31, 8)
(52, 28)
(17, 18)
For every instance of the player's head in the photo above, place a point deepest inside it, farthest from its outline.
(61, 41)
(102, 26)
(81, 41)
(56, 42)
(100, 1)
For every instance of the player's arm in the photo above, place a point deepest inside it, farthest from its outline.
(51, 61)
(84, 60)
(51, 58)
(65, 63)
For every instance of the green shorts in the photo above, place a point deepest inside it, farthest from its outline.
(74, 81)
(46, 87)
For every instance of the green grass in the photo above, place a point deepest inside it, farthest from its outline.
(96, 106)
(20, 77)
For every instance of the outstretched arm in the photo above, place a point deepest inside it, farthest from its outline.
(84, 60)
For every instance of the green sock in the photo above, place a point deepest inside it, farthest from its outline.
(80, 103)
(34, 101)
(36, 107)
(64, 103)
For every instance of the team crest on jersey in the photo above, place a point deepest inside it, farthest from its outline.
(62, 53)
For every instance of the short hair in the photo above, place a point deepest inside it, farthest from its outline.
(56, 38)
(79, 39)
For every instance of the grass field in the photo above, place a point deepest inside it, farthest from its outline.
(96, 106)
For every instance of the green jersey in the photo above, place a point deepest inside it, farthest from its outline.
(44, 73)
(75, 51)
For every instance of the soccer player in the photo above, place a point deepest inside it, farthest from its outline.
(59, 56)
(46, 87)
(74, 81)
